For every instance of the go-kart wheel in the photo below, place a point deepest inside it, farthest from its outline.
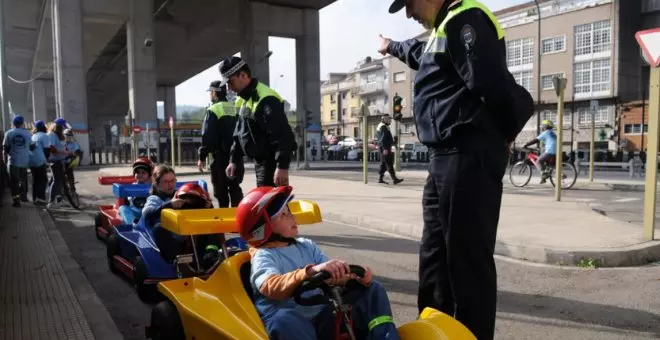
(112, 248)
(139, 276)
(165, 322)
(98, 222)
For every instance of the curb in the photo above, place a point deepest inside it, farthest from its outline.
(97, 316)
(628, 256)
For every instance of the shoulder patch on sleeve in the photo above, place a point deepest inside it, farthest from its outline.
(468, 36)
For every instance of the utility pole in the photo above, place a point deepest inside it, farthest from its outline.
(538, 71)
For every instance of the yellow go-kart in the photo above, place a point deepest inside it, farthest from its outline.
(221, 306)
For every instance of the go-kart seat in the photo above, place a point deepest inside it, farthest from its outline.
(245, 278)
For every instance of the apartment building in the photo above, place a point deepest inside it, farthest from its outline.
(342, 95)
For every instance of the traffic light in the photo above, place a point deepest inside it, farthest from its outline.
(396, 107)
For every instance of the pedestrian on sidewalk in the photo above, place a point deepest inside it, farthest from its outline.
(467, 109)
(262, 132)
(58, 154)
(217, 139)
(385, 143)
(17, 145)
(38, 166)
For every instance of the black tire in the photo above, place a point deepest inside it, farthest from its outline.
(146, 292)
(98, 222)
(113, 248)
(517, 170)
(166, 323)
(569, 176)
(71, 195)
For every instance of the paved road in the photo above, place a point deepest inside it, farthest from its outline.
(534, 301)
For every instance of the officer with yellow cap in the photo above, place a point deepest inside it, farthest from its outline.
(467, 108)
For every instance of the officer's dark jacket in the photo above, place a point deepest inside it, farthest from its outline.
(462, 76)
(218, 130)
(385, 139)
(262, 130)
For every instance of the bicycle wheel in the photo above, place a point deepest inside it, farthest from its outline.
(520, 174)
(568, 176)
(71, 194)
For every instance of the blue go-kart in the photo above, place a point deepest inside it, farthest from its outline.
(132, 249)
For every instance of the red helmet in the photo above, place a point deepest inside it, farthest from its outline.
(254, 212)
(143, 163)
(191, 190)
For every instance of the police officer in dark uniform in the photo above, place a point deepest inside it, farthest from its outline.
(467, 108)
(217, 139)
(262, 132)
(385, 142)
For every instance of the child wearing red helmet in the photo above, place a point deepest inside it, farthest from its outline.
(281, 261)
(142, 168)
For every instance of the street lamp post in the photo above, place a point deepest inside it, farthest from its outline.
(538, 71)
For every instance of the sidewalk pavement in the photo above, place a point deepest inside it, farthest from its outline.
(531, 228)
(43, 292)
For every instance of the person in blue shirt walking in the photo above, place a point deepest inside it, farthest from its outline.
(58, 154)
(38, 160)
(17, 145)
(549, 140)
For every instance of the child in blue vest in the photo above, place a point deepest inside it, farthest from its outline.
(17, 145)
(281, 261)
(38, 162)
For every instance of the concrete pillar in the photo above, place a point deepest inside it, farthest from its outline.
(308, 62)
(170, 102)
(70, 86)
(40, 99)
(141, 63)
(256, 45)
(5, 117)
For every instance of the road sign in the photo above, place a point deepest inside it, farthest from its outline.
(137, 129)
(593, 105)
(649, 41)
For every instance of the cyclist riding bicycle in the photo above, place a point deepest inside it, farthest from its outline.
(549, 140)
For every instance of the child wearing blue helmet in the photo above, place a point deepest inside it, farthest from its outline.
(17, 145)
(39, 162)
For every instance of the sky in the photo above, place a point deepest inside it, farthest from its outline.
(348, 33)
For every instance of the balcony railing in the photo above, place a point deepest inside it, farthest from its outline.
(371, 88)
(376, 110)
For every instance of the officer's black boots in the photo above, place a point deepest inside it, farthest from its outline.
(381, 180)
(398, 180)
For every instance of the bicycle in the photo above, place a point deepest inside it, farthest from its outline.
(69, 189)
(522, 171)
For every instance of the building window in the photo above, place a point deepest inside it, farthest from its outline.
(343, 95)
(546, 81)
(343, 112)
(371, 78)
(524, 79)
(553, 45)
(399, 77)
(592, 77)
(332, 98)
(333, 114)
(591, 38)
(356, 132)
(551, 115)
(331, 132)
(635, 129)
(601, 116)
(409, 128)
(520, 52)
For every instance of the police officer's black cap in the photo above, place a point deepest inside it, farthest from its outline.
(229, 66)
(397, 5)
(216, 86)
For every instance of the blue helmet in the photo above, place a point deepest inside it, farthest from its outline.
(60, 122)
(18, 120)
(40, 124)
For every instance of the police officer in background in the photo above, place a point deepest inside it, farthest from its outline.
(467, 108)
(385, 142)
(217, 139)
(262, 132)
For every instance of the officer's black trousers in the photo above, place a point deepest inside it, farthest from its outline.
(387, 165)
(227, 191)
(461, 205)
(265, 171)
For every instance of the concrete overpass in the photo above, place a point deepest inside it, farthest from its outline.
(91, 61)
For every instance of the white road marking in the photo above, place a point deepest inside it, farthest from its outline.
(627, 199)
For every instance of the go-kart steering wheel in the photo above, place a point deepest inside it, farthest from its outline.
(318, 281)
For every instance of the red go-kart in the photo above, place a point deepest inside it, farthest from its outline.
(108, 215)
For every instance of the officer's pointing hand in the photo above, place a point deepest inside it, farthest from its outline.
(384, 43)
